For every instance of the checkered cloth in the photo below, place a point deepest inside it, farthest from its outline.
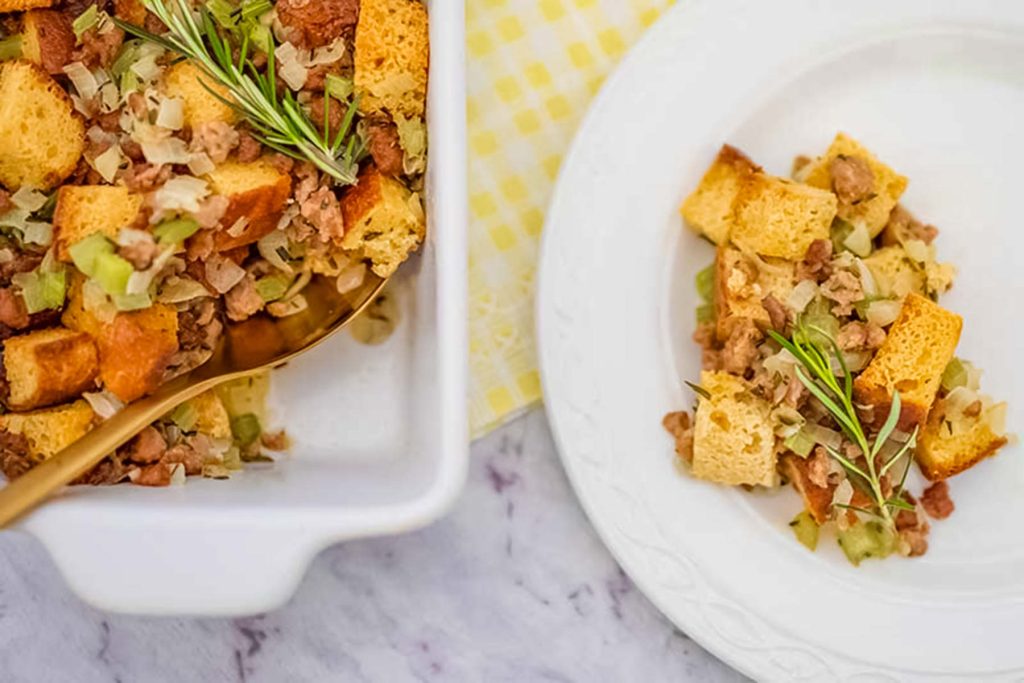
(533, 66)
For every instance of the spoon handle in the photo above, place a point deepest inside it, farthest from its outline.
(33, 487)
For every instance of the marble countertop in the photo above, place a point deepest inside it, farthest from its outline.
(513, 585)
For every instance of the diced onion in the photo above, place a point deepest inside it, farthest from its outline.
(223, 274)
(200, 163)
(268, 247)
(883, 312)
(166, 151)
(127, 237)
(351, 277)
(283, 309)
(104, 403)
(108, 163)
(802, 295)
(824, 435)
(171, 114)
(181, 193)
(177, 474)
(83, 80)
(28, 199)
(238, 227)
(327, 54)
(37, 232)
(146, 67)
(867, 279)
(918, 251)
(995, 417)
(110, 97)
(178, 289)
(291, 69)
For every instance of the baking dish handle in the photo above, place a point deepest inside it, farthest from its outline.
(177, 570)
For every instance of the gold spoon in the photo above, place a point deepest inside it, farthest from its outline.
(244, 349)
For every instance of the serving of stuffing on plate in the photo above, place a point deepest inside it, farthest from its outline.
(168, 167)
(827, 361)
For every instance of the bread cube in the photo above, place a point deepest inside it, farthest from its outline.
(22, 5)
(709, 208)
(86, 209)
(733, 441)
(43, 136)
(740, 285)
(212, 417)
(889, 185)
(896, 274)
(132, 11)
(384, 222)
(912, 359)
(47, 39)
(777, 217)
(257, 192)
(48, 366)
(50, 430)
(392, 53)
(186, 81)
(949, 444)
(135, 348)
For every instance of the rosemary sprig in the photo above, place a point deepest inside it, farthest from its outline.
(278, 120)
(815, 372)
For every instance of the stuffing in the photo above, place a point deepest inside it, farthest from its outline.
(709, 208)
(50, 430)
(48, 366)
(86, 209)
(256, 194)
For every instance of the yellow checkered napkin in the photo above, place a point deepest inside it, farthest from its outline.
(533, 66)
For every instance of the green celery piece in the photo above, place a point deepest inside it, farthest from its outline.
(246, 428)
(176, 230)
(806, 530)
(272, 287)
(112, 272)
(85, 251)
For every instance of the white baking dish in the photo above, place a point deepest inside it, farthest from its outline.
(379, 433)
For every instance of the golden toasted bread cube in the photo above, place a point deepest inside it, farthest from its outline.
(42, 135)
(950, 444)
(740, 285)
(85, 209)
(912, 359)
(733, 442)
(212, 417)
(709, 208)
(185, 81)
(132, 11)
(384, 222)
(889, 185)
(896, 274)
(392, 53)
(50, 430)
(48, 366)
(47, 39)
(22, 5)
(777, 217)
(135, 348)
(257, 192)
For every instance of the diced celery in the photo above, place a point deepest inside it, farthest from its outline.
(705, 313)
(132, 302)
(840, 231)
(339, 87)
(85, 21)
(801, 443)
(806, 530)
(10, 47)
(176, 230)
(42, 290)
(126, 56)
(955, 375)
(818, 315)
(224, 12)
(705, 281)
(272, 287)
(85, 251)
(111, 272)
(866, 539)
(246, 428)
(185, 416)
(859, 241)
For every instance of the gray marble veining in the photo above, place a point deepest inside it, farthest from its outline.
(513, 585)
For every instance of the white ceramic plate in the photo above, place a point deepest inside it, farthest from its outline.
(379, 434)
(935, 88)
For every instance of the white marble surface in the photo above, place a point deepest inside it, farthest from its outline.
(512, 586)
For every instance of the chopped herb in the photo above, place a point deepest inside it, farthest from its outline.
(699, 390)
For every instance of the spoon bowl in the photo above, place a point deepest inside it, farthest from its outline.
(259, 343)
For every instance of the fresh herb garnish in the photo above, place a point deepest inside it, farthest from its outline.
(278, 120)
(815, 372)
